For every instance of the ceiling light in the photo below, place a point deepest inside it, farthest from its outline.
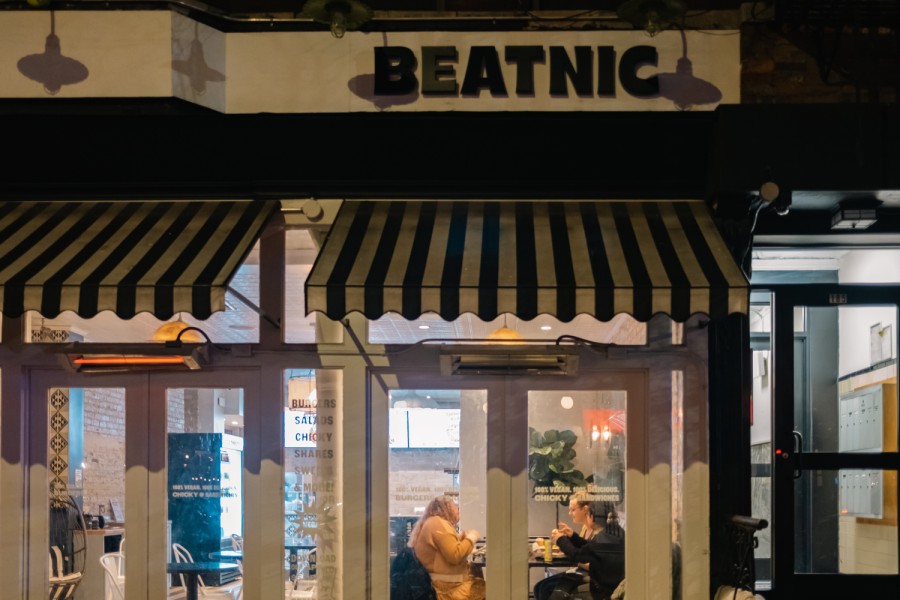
(424, 327)
(853, 218)
(340, 15)
(567, 402)
(546, 328)
(235, 423)
(504, 334)
(169, 332)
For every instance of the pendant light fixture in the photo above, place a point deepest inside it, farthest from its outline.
(340, 15)
(505, 334)
(168, 332)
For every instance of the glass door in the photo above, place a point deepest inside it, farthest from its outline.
(835, 439)
(513, 452)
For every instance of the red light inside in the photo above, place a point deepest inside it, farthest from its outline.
(777, 451)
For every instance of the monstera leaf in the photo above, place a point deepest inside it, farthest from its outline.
(551, 456)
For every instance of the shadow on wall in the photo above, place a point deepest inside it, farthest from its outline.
(363, 86)
(198, 72)
(682, 88)
(51, 68)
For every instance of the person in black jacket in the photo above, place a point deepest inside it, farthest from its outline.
(603, 553)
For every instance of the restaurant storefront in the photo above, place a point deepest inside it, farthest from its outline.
(365, 260)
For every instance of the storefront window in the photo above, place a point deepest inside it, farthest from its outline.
(428, 460)
(394, 329)
(312, 496)
(300, 254)
(205, 472)
(576, 469)
(86, 466)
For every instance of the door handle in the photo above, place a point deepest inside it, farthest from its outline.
(798, 450)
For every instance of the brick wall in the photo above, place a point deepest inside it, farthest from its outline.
(104, 447)
(104, 442)
(800, 66)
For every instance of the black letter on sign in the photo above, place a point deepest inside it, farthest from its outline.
(394, 71)
(632, 60)
(483, 59)
(606, 71)
(438, 78)
(525, 57)
(561, 67)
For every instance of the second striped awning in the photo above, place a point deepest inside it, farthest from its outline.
(525, 258)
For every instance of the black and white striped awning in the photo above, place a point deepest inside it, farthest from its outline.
(127, 257)
(525, 258)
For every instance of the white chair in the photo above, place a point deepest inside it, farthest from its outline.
(231, 591)
(122, 561)
(115, 584)
(237, 544)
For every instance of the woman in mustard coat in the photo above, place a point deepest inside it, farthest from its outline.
(444, 551)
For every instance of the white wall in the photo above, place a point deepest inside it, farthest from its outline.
(865, 266)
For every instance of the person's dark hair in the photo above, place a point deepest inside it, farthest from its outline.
(606, 516)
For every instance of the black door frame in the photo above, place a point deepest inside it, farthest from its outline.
(787, 583)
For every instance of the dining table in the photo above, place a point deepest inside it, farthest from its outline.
(192, 572)
(227, 555)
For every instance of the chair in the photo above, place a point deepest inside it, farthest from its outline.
(115, 584)
(230, 591)
(122, 561)
(62, 587)
(237, 543)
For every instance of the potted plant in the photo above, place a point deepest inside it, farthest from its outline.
(550, 459)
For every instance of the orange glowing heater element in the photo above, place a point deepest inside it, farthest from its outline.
(131, 360)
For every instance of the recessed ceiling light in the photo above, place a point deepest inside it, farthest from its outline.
(424, 327)
(546, 328)
(234, 423)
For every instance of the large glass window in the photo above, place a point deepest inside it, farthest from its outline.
(205, 471)
(576, 468)
(300, 254)
(86, 467)
(312, 497)
(394, 329)
(427, 458)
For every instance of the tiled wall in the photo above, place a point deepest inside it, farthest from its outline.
(104, 442)
(867, 547)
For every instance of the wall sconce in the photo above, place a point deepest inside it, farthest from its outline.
(651, 15)
(595, 434)
(340, 15)
(853, 218)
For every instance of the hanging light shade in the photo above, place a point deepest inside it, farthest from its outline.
(504, 334)
(651, 15)
(168, 332)
(340, 15)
